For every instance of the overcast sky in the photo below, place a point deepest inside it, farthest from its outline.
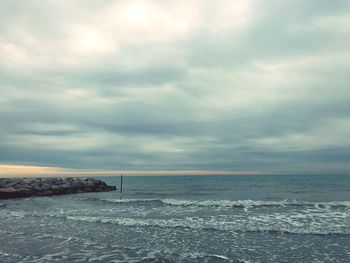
(248, 85)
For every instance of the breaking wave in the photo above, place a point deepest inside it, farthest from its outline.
(233, 203)
(201, 224)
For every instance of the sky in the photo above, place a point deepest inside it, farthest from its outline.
(256, 86)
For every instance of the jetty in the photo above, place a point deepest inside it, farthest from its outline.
(29, 187)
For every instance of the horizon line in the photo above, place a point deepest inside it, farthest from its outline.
(32, 170)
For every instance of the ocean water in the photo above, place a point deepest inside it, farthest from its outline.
(252, 218)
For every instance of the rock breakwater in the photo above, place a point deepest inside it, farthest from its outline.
(28, 187)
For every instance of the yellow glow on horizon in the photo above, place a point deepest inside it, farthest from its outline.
(6, 169)
(27, 170)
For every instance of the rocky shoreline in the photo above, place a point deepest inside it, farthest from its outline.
(29, 187)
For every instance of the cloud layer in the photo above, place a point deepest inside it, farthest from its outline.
(162, 85)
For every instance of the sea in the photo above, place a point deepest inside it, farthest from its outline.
(238, 218)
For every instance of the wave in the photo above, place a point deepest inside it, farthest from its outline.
(234, 203)
(151, 193)
(121, 201)
(201, 224)
(195, 257)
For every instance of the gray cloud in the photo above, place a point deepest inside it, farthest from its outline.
(261, 85)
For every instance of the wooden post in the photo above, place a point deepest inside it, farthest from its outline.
(121, 184)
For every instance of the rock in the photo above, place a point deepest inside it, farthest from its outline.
(11, 183)
(7, 190)
(28, 187)
(46, 186)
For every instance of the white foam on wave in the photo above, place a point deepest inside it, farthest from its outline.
(234, 203)
(111, 200)
(254, 203)
(222, 203)
(202, 257)
(318, 224)
(195, 257)
(219, 256)
(6, 213)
